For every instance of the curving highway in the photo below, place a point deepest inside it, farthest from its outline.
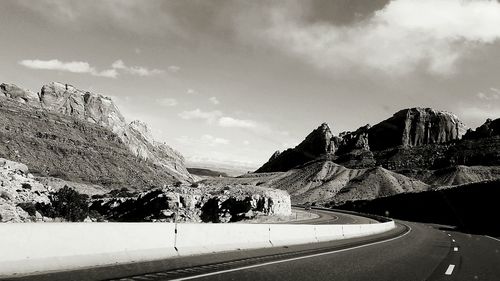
(412, 251)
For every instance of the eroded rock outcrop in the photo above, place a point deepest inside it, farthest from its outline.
(319, 142)
(196, 204)
(414, 127)
(18, 187)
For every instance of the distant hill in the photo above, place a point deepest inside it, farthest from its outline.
(206, 172)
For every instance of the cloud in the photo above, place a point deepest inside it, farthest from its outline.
(216, 117)
(404, 36)
(135, 70)
(85, 67)
(246, 142)
(210, 140)
(226, 121)
(209, 116)
(174, 68)
(214, 100)
(191, 92)
(168, 102)
(493, 95)
(72, 66)
(204, 140)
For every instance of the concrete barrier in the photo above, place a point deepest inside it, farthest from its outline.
(289, 234)
(32, 247)
(27, 248)
(209, 238)
(328, 232)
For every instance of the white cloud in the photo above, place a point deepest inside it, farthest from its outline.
(210, 140)
(204, 140)
(191, 92)
(214, 100)
(168, 102)
(226, 121)
(489, 96)
(174, 68)
(135, 70)
(403, 36)
(72, 66)
(246, 142)
(209, 116)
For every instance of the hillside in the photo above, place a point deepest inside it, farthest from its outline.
(80, 136)
(455, 206)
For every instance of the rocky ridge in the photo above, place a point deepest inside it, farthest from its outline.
(416, 149)
(319, 142)
(83, 131)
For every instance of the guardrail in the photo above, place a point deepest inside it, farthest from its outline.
(28, 248)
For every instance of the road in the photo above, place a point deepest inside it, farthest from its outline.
(413, 251)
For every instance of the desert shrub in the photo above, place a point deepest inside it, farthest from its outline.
(26, 186)
(94, 214)
(195, 184)
(178, 184)
(28, 207)
(69, 204)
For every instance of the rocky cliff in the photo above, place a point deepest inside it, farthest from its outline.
(319, 142)
(414, 127)
(81, 136)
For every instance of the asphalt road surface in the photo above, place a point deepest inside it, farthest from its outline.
(412, 251)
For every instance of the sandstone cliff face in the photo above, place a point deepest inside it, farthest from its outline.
(319, 142)
(414, 127)
(101, 110)
(65, 100)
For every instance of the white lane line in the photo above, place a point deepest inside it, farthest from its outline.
(493, 238)
(455, 249)
(449, 234)
(449, 271)
(452, 240)
(291, 259)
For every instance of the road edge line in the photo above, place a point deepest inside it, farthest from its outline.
(293, 259)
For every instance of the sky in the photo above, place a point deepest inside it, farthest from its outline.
(233, 81)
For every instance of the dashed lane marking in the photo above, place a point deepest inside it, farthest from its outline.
(455, 249)
(452, 240)
(449, 271)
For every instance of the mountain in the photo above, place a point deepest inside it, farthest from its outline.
(319, 142)
(81, 136)
(415, 150)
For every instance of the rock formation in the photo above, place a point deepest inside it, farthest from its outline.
(196, 204)
(490, 128)
(18, 187)
(81, 136)
(414, 127)
(319, 142)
